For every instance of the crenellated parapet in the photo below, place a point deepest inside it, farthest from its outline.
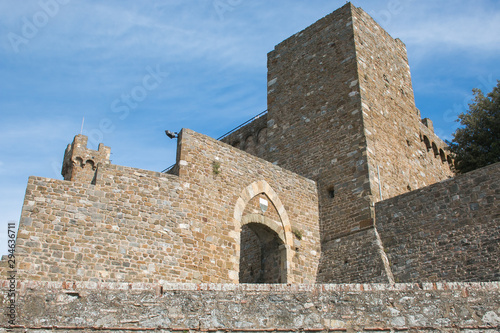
(251, 138)
(80, 163)
(434, 146)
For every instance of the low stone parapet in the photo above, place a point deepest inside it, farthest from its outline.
(86, 306)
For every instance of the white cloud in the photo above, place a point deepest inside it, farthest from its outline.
(469, 34)
(447, 26)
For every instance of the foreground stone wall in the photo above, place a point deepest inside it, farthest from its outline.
(449, 231)
(449, 307)
(143, 226)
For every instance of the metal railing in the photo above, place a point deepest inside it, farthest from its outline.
(240, 126)
(226, 134)
(169, 168)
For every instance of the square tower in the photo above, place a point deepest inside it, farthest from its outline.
(341, 111)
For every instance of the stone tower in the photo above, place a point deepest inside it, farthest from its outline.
(341, 111)
(80, 163)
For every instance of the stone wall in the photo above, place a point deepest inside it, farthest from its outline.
(439, 307)
(353, 258)
(315, 127)
(250, 257)
(341, 109)
(142, 226)
(342, 112)
(80, 163)
(401, 149)
(449, 231)
(251, 138)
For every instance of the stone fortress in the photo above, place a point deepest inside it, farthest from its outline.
(337, 210)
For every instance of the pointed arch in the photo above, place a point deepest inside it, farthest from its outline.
(282, 229)
(251, 191)
(261, 219)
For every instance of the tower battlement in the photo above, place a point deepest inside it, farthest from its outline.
(80, 163)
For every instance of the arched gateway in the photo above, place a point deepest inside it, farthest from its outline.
(265, 240)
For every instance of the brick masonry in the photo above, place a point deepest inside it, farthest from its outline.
(108, 307)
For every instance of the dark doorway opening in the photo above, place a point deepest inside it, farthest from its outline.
(262, 255)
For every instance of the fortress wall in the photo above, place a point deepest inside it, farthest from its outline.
(449, 231)
(315, 125)
(392, 124)
(143, 226)
(123, 232)
(342, 112)
(353, 258)
(84, 306)
(294, 195)
(80, 163)
(251, 138)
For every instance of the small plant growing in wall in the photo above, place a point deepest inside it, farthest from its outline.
(297, 233)
(216, 167)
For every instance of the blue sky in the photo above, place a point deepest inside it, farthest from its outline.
(62, 60)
